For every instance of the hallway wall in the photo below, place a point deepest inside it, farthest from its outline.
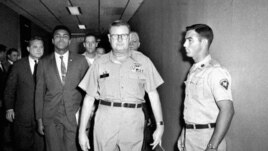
(240, 44)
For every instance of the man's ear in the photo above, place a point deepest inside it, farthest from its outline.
(204, 41)
(28, 49)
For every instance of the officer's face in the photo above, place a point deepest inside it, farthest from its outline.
(36, 49)
(192, 44)
(61, 40)
(119, 38)
(90, 44)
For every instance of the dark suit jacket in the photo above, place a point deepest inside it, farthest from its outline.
(3, 75)
(50, 91)
(19, 92)
(7, 65)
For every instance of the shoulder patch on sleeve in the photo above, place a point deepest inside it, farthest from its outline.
(224, 83)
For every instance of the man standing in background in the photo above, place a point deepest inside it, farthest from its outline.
(134, 42)
(208, 105)
(12, 56)
(19, 99)
(90, 44)
(57, 97)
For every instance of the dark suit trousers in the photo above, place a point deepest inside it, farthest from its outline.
(60, 134)
(26, 137)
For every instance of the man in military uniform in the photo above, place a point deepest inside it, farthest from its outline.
(208, 106)
(119, 80)
(90, 43)
(134, 43)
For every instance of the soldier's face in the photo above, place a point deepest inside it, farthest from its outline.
(90, 44)
(119, 38)
(192, 44)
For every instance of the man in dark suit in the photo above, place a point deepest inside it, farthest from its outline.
(58, 98)
(12, 56)
(2, 87)
(19, 99)
(2, 73)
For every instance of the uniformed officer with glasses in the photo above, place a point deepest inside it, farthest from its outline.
(119, 80)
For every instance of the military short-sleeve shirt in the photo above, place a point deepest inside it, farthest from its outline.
(207, 82)
(109, 79)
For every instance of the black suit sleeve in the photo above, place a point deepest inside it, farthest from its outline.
(39, 90)
(11, 85)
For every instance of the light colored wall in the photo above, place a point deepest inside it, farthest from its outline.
(240, 44)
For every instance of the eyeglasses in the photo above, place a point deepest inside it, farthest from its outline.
(116, 36)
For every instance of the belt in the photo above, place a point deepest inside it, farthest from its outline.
(121, 104)
(200, 126)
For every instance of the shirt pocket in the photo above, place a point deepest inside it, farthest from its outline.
(196, 87)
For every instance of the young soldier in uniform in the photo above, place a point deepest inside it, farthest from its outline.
(90, 44)
(119, 80)
(208, 105)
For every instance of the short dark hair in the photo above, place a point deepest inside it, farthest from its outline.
(61, 27)
(119, 23)
(34, 38)
(91, 35)
(203, 30)
(9, 51)
(2, 48)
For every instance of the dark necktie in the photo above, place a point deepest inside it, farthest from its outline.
(35, 69)
(63, 70)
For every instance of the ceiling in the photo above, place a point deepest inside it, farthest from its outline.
(96, 14)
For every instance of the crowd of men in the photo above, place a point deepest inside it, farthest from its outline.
(49, 102)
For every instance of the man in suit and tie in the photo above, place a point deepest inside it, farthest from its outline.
(58, 97)
(19, 99)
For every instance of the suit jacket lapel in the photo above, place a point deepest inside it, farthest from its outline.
(55, 68)
(70, 66)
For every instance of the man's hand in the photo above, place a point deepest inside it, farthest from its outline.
(157, 136)
(83, 141)
(180, 143)
(10, 115)
(40, 127)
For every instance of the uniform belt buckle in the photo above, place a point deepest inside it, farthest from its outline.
(124, 104)
(112, 104)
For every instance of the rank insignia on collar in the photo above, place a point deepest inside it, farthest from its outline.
(224, 83)
(136, 67)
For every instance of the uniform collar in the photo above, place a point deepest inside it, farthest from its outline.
(114, 60)
(203, 63)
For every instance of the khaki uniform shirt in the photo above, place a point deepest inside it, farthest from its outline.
(89, 60)
(207, 82)
(110, 80)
